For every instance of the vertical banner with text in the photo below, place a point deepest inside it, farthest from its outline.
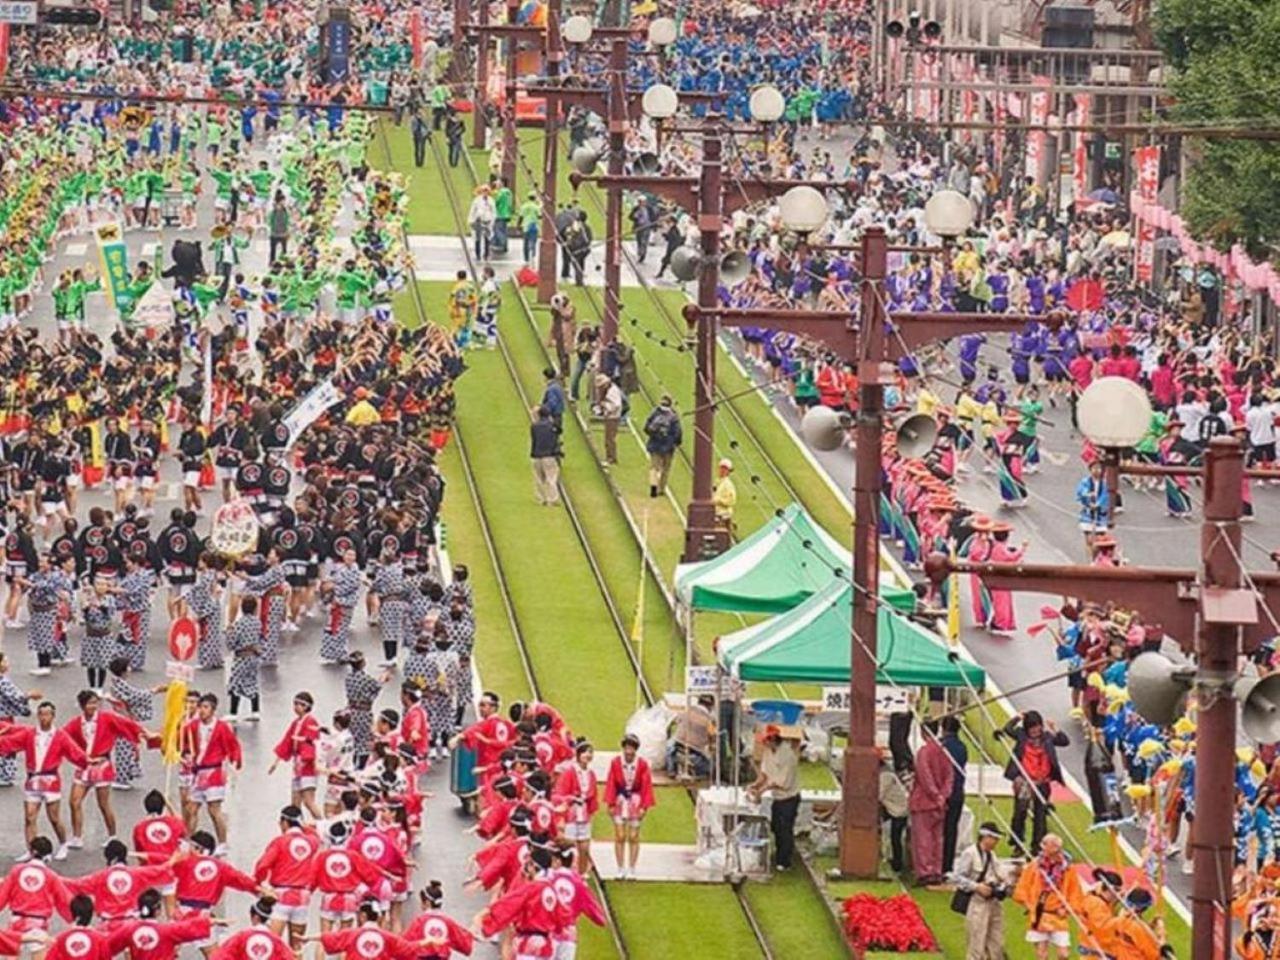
(115, 262)
(1146, 160)
(1038, 136)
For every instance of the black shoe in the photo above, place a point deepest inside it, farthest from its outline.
(653, 489)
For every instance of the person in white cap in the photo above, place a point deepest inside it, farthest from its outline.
(980, 883)
(725, 495)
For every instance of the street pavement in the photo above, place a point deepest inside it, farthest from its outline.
(255, 797)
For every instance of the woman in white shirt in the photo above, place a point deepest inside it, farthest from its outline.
(481, 217)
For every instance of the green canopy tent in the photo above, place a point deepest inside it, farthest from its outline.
(810, 644)
(777, 568)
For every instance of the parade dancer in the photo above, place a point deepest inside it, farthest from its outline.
(437, 935)
(1095, 504)
(367, 940)
(338, 873)
(390, 587)
(14, 702)
(205, 601)
(115, 888)
(628, 793)
(977, 549)
(213, 744)
(577, 794)
(101, 631)
(146, 938)
(96, 732)
(437, 672)
(298, 747)
(134, 601)
(255, 942)
(285, 866)
(269, 587)
(361, 690)
(32, 892)
(156, 838)
(343, 589)
(45, 747)
(1003, 620)
(577, 899)
(1177, 489)
(47, 588)
(531, 909)
(136, 703)
(1010, 448)
(203, 878)
(244, 641)
(81, 940)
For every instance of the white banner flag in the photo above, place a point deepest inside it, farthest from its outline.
(309, 410)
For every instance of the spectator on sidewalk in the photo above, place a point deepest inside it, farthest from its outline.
(959, 754)
(1034, 769)
(611, 413)
(779, 776)
(980, 874)
(553, 398)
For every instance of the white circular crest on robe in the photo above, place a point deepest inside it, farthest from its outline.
(299, 849)
(435, 930)
(205, 871)
(258, 946)
(370, 944)
(373, 847)
(77, 944)
(119, 882)
(145, 937)
(31, 879)
(549, 900)
(158, 832)
(565, 889)
(338, 866)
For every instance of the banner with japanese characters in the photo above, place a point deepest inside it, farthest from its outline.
(1146, 161)
(115, 262)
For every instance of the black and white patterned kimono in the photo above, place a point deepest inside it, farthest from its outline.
(336, 643)
(460, 590)
(269, 586)
(42, 600)
(441, 679)
(101, 627)
(390, 584)
(138, 704)
(136, 589)
(362, 692)
(421, 605)
(462, 631)
(206, 606)
(243, 640)
(13, 703)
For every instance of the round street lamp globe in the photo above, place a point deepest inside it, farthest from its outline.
(767, 104)
(577, 29)
(662, 32)
(804, 209)
(659, 102)
(948, 213)
(1114, 412)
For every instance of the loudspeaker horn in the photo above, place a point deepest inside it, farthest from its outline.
(734, 268)
(894, 29)
(1260, 707)
(825, 429)
(916, 435)
(647, 163)
(685, 263)
(584, 160)
(1158, 687)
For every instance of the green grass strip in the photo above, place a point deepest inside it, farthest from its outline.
(676, 920)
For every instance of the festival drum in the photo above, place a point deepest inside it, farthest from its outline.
(462, 775)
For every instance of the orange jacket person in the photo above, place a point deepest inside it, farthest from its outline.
(1044, 890)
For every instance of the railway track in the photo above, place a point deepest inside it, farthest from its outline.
(615, 617)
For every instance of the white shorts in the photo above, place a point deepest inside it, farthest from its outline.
(304, 783)
(566, 950)
(42, 796)
(1088, 527)
(577, 831)
(337, 916)
(1059, 938)
(147, 482)
(122, 483)
(180, 591)
(191, 478)
(226, 473)
(52, 507)
(207, 794)
(627, 821)
(297, 916)
(74, 480)
(169, 889)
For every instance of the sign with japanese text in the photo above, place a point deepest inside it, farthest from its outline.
(1147, 162)
(115, 262)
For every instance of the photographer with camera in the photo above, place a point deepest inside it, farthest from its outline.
(981, 885)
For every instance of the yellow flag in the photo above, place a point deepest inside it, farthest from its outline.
(175, 708)
(637, 624)
(953, 606)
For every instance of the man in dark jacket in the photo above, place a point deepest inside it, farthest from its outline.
(421, 131)
(1034, 769)
(544, 450)
(664, 434)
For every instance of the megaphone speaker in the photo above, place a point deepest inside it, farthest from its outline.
(584, 160)
(916, 435)
(685, 263)
(895, 29)
(1260, 707)
(1158, 687)
(823, 428)
(734, 268)
(647, 163)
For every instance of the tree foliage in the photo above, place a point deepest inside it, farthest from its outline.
(1223, 55)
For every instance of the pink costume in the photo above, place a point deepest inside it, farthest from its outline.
(1002, 615)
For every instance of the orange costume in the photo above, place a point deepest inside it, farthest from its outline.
(1044, 889)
